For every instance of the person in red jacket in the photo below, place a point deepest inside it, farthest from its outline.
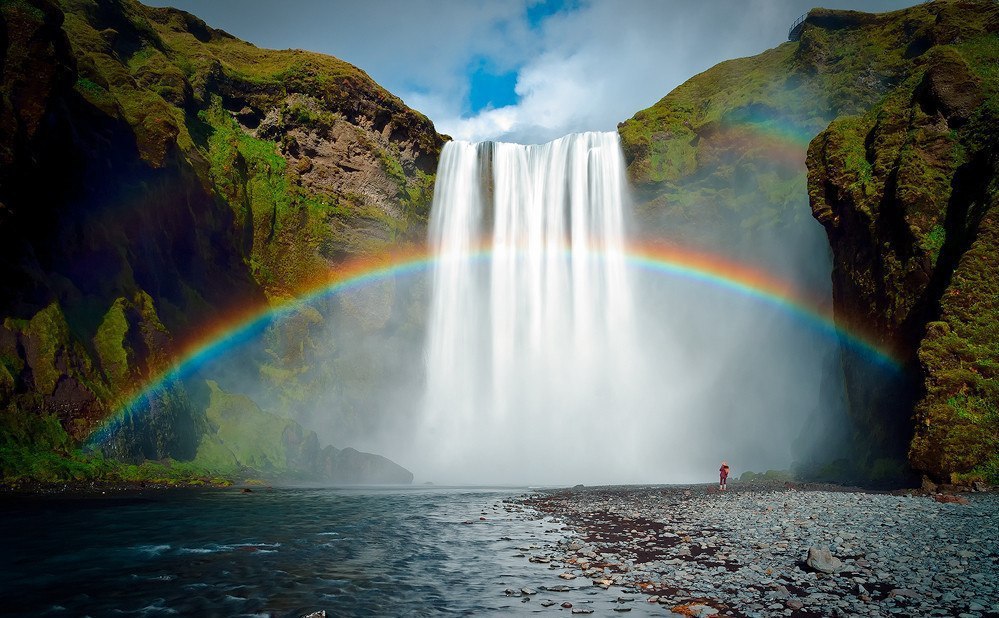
(723, 476)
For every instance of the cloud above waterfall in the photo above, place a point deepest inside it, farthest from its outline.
(527, 70)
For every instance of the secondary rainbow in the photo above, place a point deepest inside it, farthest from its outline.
(668, 260)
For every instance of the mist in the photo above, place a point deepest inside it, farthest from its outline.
(691, 373)
(632, 376)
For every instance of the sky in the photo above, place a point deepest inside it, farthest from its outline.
(525, 71)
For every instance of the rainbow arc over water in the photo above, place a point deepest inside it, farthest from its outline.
(684, 263)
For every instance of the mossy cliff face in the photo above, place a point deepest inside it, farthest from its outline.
(156, 173)
(900, 181)
(726, 149)
(907, 192)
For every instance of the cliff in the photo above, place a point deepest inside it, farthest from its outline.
(901, 175)
(156, 173)
(906, 192)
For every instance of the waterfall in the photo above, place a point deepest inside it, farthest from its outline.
(530, 341)
(553, 356)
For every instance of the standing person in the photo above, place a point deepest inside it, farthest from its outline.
(723, 476)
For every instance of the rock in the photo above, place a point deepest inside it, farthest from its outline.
(567, 605)
(822, 560)
(320, 614)
(567, 576)
(929, 486)
(351, 466)
(950, 499)
(701, 611)
(547, 603)
(528, 591)
(795, 604)
(580, 610)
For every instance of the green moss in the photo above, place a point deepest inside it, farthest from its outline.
(24, 7)
(93, 92)
(110, 344)
(244, 167)
(420, 196)
(934, 241)
(50, 335)
(957, 429)
(769, 476)
(242, 435)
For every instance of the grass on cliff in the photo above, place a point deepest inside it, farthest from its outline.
(36, 449)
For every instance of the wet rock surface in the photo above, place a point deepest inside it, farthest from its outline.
(695, 551)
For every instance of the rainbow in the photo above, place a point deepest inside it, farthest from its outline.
(777, 139)
(666, 260)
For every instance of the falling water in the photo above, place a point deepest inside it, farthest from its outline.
(552, 359)
(530, 338)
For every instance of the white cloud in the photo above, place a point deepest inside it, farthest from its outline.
(600, 64)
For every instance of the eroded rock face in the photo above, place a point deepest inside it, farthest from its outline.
(905, 193)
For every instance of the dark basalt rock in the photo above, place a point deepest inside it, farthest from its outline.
(352, 467)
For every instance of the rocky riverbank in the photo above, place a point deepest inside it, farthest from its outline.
(699, 552)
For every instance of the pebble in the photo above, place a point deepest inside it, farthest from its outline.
(894, 555)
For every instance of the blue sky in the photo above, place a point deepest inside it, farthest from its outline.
(520, 70)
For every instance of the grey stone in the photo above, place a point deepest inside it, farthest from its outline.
(822, 560)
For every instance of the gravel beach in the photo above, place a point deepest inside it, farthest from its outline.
(770, 551)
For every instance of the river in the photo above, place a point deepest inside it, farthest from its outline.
(272, 552)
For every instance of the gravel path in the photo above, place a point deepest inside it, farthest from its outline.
(697, 551)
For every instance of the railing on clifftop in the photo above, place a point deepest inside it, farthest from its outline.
(794, 33)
